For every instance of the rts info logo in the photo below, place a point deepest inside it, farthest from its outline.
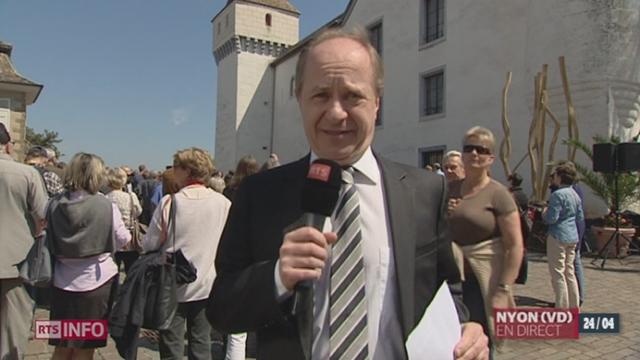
(71, 329)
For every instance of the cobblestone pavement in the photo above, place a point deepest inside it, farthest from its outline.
(616, 288)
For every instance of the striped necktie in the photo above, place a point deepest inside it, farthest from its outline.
(348, 335)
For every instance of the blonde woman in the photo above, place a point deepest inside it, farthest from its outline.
(485, 227)
(130, 208)
(200, 217)
(84, 228)
(127, 202)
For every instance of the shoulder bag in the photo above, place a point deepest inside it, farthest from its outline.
(525, 228)
(36, 269)
(137, 229)
(161, 302)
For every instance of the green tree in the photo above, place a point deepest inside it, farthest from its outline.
(47, 138)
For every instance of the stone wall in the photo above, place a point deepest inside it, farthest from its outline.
(18, 120)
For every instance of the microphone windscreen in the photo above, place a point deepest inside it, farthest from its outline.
(321, 187)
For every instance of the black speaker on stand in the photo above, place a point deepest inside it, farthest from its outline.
(614, 159)
(628, 157)
(604, 158)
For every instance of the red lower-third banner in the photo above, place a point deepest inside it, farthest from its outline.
(536, 323)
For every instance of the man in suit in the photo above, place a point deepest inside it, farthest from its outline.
(24, 199)
(403, 254)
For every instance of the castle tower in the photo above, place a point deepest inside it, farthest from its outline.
(247, 36)
(16, 93)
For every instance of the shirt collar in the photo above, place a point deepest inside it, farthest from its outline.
(367, 165)
(78, 194)
(4, 156)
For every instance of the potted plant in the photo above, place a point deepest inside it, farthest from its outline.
(603, 230)
(603, 185)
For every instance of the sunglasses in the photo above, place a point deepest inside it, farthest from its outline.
(480, 150)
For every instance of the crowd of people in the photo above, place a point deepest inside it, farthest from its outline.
(92, 216)
(375, 264)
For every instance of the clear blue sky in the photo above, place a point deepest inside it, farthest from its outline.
(129, 80)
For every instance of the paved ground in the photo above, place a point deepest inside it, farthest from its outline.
(614, 289)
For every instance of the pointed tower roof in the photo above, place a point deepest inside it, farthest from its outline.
(11, 80)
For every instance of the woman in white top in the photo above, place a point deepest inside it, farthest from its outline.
(127, 202)
(200, 217)
(130, 208)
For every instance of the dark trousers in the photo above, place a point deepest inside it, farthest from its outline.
(128, 258)
(472, 299)
(198, 333)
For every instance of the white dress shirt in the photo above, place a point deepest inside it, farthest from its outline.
(380, 278)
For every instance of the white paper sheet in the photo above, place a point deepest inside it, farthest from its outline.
(438, 331)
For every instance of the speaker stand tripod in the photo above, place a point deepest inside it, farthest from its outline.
(614, 239)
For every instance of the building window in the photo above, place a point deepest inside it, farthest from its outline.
(432, 91)
(292, 87)
(375, 36)
(431, 155)
(433, 20)
(226, 21)
(5, 113)
(267, 19)
(219, 28)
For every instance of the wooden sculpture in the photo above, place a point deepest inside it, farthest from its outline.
(538, 131)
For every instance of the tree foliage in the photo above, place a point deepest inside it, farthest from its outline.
(47, 138)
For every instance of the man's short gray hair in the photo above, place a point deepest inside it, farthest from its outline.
(358, 35)
(51, 155)
(452, 153)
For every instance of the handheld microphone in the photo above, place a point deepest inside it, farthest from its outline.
(320, 192)
(319, 198)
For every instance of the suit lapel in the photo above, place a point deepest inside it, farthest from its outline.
(399, 203)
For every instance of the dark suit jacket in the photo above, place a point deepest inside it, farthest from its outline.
(243, 296)
(144, 191)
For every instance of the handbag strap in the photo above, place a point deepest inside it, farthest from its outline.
(172, 222)
(132, 222)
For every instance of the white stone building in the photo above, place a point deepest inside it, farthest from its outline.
(16, 94)
(445, 67)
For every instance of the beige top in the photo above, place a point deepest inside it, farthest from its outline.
(200, 217)
(475, 218)
(128, 204)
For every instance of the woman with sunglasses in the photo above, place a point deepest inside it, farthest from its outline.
(485, 228)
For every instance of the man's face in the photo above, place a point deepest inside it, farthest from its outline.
(453, 168)
(338, 100)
